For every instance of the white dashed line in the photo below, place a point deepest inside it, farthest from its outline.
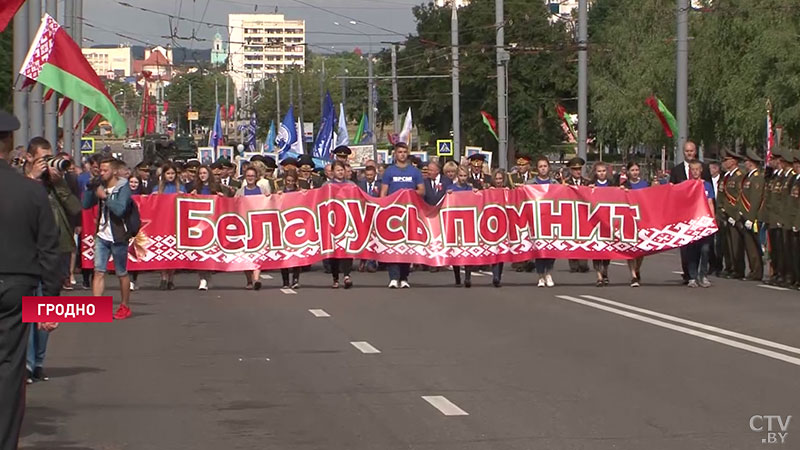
(617, 263)
(444, 405)
(777, 288)
(365, 347)
(319, 313)
(288, 291)
(677, 272)
(266, 276)
(689, 331)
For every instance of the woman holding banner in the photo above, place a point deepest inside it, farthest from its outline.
(206, 184)
(600, 179)
(544, 266)
(635, 181)
(341, 266)
(462, 184)
(251, 188)
(169, 183)
(499, 181)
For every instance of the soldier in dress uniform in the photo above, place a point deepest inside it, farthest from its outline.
(783, 216)
(781, 189)
(732, 182)
(307, 178)
(774, 236)
(793, 221)
(288, 164)
(477, 178)
(576, 179)
(751, 198)
(523, 173)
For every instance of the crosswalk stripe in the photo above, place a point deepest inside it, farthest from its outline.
(288, 291)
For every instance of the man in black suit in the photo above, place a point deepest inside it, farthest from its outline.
(370, 184)
(435, 184)
(145, 181)
(680, 172)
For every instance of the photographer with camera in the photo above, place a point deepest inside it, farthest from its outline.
(48, 170)
(115, 215)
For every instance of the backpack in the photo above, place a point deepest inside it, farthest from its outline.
(132, 220)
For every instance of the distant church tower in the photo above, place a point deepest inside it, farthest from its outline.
(218, 52)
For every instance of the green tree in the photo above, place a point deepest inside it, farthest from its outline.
(6, 69)
(203, 96)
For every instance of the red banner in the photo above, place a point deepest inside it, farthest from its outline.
(467, 228)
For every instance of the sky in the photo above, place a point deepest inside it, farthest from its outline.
(383, 20)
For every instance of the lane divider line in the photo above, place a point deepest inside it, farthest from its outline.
(689, 331)
(444, 405)
(365, 347)
(617, 263)
(777, 288)
(702, 326)
(319, 313)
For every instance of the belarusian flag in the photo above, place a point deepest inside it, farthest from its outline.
(55, 61)
(664, 116)
(491, 123)
(8, 8)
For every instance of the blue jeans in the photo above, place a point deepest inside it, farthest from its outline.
(104, 249)
(399, 271)
(544, 265)
(37, 343)
(698, 252)
(497, 271)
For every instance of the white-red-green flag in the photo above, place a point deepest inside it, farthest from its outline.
(56, 61)
(770, 135)
(490, 123)
(664, 116)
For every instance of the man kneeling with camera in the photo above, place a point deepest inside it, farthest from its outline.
(113, 195)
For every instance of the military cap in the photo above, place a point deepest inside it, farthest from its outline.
(477, 157)
(777, 151)
(257, 158)
(8, 122)
(728, 153)
(289, 162)
(576, 163)
(342, 150)
(225, 162)
(193, 163)
(269, 161)
(305, 160)
(523, 159)
(751, 154)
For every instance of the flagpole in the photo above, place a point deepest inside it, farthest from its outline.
(77, 36)
(51, 107)
(35, 111)
(20, 51)
(68, 116)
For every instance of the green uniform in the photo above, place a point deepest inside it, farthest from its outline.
(751, 196)
(782, 217)
(775, 236)
(730, 207)
(793, 223)
(519, 179)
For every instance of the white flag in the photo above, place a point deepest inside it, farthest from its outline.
(405, 133)
(342, 138)
(297, 146)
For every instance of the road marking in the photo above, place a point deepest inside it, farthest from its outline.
(266, 276)
(677, 272)
(486, 272)
(479, 273)
(777, 288)
(689, 331)
(617, 263)
(288, 291)
(319, 313)
(365, 347)
(444, 405)
(702, 326)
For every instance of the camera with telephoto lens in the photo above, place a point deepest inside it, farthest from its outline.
(58, 163)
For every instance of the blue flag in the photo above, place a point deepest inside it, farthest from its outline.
(215, 136)
(287, 134)
(324, 142)
(270, 142)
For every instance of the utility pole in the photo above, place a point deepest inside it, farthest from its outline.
(51, 107)
(682, 88)
(344, 89)
(277, 101)
(68, 118)
(21, 136)
(395, 100)
(300, 112)
(456, 87)
(322, 91)
(228, 108)
(583, 83)
(371, 87)
(190, 109)
(502, 109)
(78, 109)
(35, 111)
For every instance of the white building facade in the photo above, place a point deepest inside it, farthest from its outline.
(262, 45)
(110, 62)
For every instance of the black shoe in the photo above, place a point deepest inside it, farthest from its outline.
(38, 375)
(170, 286)
(348, 283)
(29, 377)
(605, 281)
(599, 283)
(295, 284)
(467, 283)
(163, 285)
(86, 286)
(257, 286)
(496, 283)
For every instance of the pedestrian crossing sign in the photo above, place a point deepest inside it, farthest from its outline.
(87, 145)
(444, 147)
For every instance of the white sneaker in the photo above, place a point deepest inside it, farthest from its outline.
(404, 285)
(133, 286)
(393, 284)
(203, 285)
(549, 280)
(541, 282)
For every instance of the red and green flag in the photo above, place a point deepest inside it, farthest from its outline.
(664, 116)
(56, 61)
(490, 123)
(8, 8)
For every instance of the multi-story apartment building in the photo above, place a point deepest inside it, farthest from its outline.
(108, 61)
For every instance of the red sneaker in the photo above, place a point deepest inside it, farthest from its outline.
(123, 312)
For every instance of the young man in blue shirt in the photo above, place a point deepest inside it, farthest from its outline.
(398, 176)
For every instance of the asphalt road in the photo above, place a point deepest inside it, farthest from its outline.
(520, 367)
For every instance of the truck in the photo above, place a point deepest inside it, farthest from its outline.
(158, 148)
